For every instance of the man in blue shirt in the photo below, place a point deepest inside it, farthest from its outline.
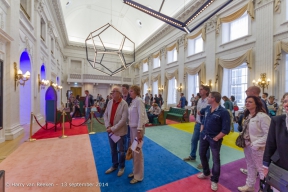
(182, 101)
(216, 124)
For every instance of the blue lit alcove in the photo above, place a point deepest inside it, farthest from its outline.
(58, 93)
(42, 91)
(26, 91)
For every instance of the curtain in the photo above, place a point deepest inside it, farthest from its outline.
(168, 76)
(157, 55)
(201, 32)
(230, 64)
(200, 70)
(278, 52)
(248, 7)
(277, 5)
(144, 81)
(145, 60)
(175, 45)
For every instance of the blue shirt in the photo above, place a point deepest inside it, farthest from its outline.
(183, 99)
(215, 122)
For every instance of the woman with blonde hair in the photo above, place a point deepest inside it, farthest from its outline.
(137, 117)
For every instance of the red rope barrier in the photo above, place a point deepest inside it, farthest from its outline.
(98, 120)
(43, 127)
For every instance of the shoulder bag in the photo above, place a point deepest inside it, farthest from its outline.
(277, 177)
(240, 141)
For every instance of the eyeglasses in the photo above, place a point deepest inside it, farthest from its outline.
(115, 91)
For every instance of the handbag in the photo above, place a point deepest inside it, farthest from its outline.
(129, 154)
(240, 141)
(277, 177)
(236, 108)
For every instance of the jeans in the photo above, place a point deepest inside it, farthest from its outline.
(87, 113)
(151, 117)
(127, 142)
(114, 152)
(194, 142)
(215, 146)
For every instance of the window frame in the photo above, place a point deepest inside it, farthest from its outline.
(192, 46)
(172, 54)
(226, 29)
(159, 63)
(145, 64)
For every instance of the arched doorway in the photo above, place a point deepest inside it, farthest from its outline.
(58, 92)
(26, 90)
(42, 90)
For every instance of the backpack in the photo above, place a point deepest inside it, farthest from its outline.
(186, 102)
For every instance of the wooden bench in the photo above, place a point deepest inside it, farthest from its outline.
(178, 113)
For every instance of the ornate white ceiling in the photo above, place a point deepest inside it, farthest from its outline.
(84, 16)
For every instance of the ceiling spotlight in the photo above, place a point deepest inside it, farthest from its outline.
(139, 23)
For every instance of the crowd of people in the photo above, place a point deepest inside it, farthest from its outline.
(265, 136)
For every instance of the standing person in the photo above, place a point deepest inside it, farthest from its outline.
(252, 91)
(161, 100)
(277, 141)
(151, 99)
(202, 103)
(256, 125)
(265, 97)
(76, 106)
(272, 106)
(196, 102)
(182, 101)
(128, 99)
(216, 124)
(234, 102)
(157, 100)
(192, 100)
(71, 101)
(147, 99)
(102, 107)
(137, 119)
(229, 106)
(89, 102)
(115, 118)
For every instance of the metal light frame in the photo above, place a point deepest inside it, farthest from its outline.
(118, 52)
(183, 26)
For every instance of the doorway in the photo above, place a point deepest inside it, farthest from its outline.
(76, 91)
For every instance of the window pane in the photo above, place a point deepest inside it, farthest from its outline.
(145, 67)
(156, 62)
(239, 84)
(239, 27)
(155, 88)
(145, 87)
(198, 44)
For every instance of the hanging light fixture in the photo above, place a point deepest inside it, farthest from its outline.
(174, 22)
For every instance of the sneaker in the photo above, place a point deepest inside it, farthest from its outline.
(202, 176)
(214, 186)
(199, 166)
(245, 188)
(120, 172)
(244, 171)
(110, 170)
(189, 158)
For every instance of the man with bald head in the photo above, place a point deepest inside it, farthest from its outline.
(115, 117)
(255, 91)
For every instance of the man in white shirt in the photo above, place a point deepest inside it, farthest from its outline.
(202, 103)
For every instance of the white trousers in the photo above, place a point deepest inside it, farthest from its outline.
(254, 160)
(138, 159)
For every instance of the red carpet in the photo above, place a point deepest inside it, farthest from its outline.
(51, 133)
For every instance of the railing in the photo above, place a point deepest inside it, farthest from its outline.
(75, 76)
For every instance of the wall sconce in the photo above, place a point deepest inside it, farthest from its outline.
(43, 83)
(57, 87)
(262, 82)
(149, 89)
(209, 84)
(19, 77)
(179, 89)
(161, 88)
